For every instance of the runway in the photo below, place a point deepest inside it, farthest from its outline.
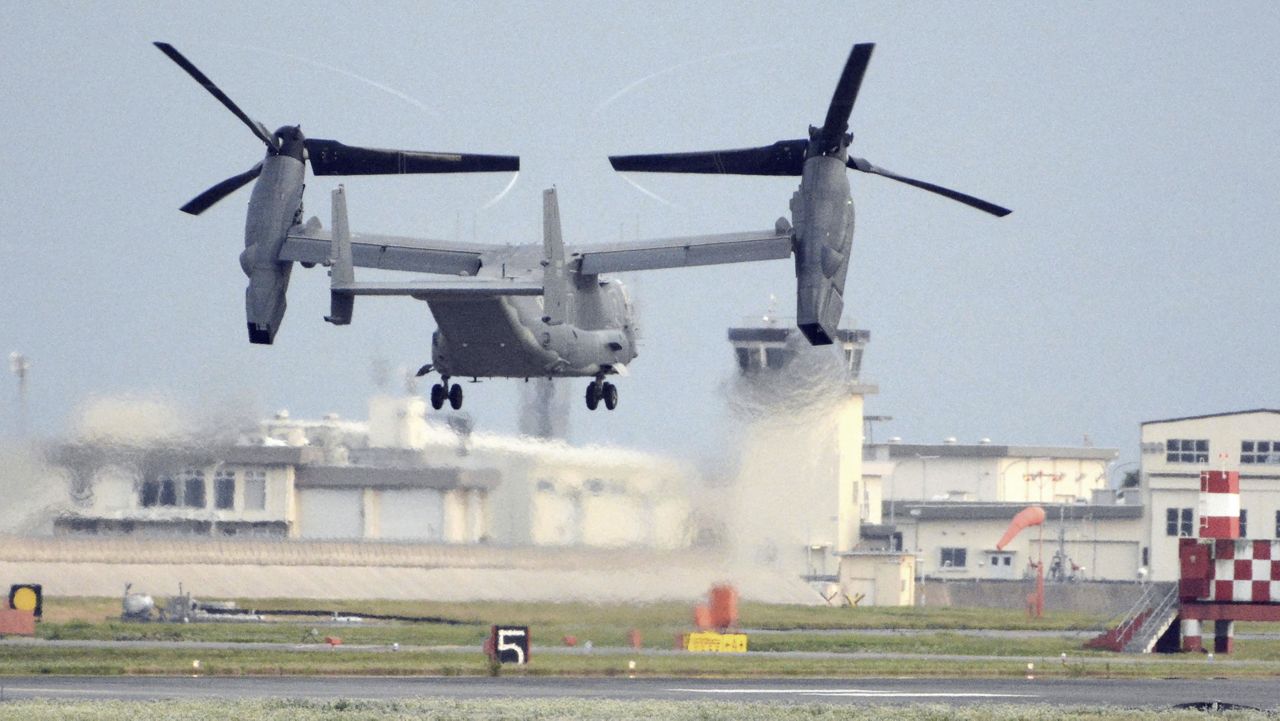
(1124, 693)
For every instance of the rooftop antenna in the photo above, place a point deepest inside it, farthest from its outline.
(20, 364)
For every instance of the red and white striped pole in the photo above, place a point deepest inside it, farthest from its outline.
(1220, 504)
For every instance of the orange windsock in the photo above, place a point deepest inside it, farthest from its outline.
(1029, 516)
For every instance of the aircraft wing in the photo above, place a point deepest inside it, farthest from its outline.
(310, 244)
(442, 289)
(686, 251)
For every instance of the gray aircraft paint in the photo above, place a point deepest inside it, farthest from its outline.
(525, 313)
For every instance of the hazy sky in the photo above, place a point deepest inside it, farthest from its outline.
(1134, 141)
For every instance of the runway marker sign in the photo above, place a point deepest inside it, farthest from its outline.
(509, 644)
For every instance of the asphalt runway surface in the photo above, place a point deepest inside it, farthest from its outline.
(1124, 693)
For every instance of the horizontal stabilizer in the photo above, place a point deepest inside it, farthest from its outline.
(687, 251)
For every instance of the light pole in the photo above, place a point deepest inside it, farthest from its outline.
(915, 553)
(19, 364)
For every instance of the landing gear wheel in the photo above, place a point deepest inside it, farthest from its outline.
(455, 397)
(610, 393)
(593, 396)
(437, 396)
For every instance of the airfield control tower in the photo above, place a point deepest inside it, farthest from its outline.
(799, 483)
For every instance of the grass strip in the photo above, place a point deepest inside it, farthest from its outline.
(548, 709)
(35, 660)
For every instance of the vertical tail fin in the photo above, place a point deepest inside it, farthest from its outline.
(341, 267)
(555, 276)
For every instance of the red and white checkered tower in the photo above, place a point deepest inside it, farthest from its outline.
(1225, 578)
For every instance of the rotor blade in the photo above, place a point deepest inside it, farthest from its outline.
(329, 157)
(992, 208)
(205, 200)
(846, 94)
(258, 128)
(785, 157)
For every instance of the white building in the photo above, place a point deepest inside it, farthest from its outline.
(987, 472)
(1078, 541)
(1176, 450)
(949, 503)
(397, 477)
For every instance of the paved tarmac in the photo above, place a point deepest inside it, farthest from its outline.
(1123, 693)
(1177, 664)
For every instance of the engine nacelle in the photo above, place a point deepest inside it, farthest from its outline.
(275, 206)
(822, 212)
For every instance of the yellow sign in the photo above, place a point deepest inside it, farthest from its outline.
(710, 642)
(25, 598)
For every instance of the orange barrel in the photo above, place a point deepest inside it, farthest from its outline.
(724, 606)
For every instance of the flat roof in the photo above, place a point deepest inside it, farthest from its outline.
(372, 477)
(170, 454)
(995, 450)
(1214, 415)
(962, 511)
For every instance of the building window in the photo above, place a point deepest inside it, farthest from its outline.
(953, 557)
(168, 491)
(193, 488)
(1277, 525)
(151, 494)
(853, 357)
(1177, 522)
(1001, 559)
(224, 490)
(1244, 523)
(255, 490)
(775, 358)
(1185, 450)
(748, 359)
(1260, 452)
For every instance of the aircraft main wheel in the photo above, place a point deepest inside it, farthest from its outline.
(610, 396)
(437, 396)
(455, 397)
(593, 396)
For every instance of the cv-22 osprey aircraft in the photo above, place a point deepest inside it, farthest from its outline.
(539, 311)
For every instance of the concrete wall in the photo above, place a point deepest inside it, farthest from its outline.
(1086, 597)
(235, 568)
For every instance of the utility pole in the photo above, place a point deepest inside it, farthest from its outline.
(20, 364)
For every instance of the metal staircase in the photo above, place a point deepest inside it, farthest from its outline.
(1144, 622)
